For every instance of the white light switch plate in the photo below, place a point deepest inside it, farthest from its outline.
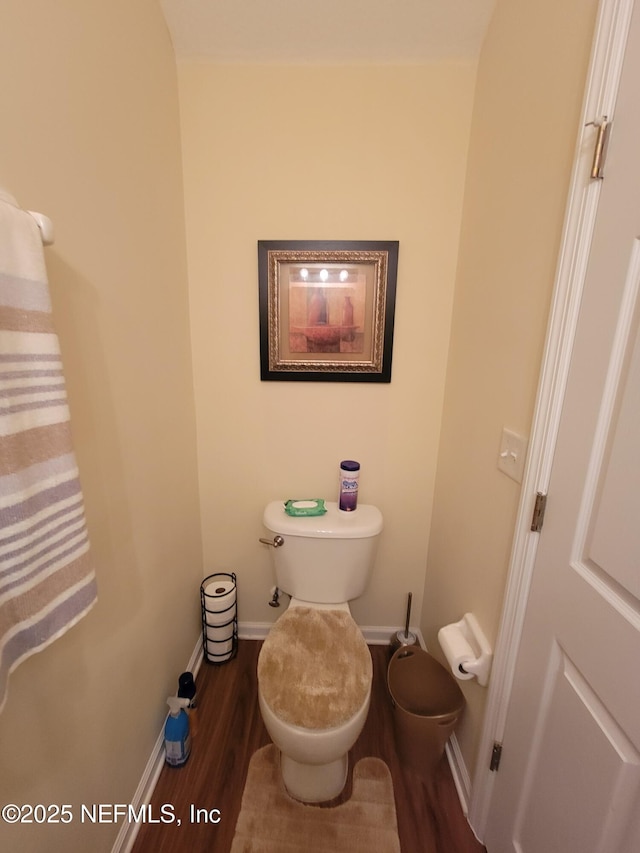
(512, 454)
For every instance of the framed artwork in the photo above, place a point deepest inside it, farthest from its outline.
(327, 310)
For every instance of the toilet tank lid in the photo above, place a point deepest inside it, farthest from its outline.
(363, 522)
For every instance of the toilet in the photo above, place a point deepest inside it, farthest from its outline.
(314, 668)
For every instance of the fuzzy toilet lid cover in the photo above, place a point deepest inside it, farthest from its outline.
(314, 668)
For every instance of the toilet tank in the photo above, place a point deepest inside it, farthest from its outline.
(326, 558)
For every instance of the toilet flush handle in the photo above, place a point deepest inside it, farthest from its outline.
(276, 542)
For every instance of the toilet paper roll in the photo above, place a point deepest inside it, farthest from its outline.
(217, 635)
(220, 602)
(220, 593)
(457, 650)
(221, 618)
(220, 642)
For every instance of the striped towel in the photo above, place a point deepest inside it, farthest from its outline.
(46, 579)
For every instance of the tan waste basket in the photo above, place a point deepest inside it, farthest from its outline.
(427, 703)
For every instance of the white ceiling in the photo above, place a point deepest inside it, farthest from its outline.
(327, 31)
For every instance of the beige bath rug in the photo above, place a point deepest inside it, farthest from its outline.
(271, 821)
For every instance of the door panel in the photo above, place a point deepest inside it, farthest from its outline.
(615, 528)
(575, 730)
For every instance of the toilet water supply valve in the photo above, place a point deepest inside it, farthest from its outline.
(275, 596)
(276, 542)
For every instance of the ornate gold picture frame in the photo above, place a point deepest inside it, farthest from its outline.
(327, 310)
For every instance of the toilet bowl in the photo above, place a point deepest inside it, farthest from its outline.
(314, 689)
(314, 668)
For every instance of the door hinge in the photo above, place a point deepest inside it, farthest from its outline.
(600, 152)
(496, 755)
(539, 509)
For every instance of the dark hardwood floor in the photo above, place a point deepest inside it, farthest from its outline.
(206, 793)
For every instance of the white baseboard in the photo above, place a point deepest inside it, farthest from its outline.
(461, 778)
(381, 635)
(374, 635)
(253, 630)
(142, 797)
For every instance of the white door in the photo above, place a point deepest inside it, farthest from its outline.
(569, 777)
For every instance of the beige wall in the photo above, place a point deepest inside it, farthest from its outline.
(527, 105)
(90, 137)
(320, 153)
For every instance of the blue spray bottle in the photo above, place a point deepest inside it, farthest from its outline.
(177, 739)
